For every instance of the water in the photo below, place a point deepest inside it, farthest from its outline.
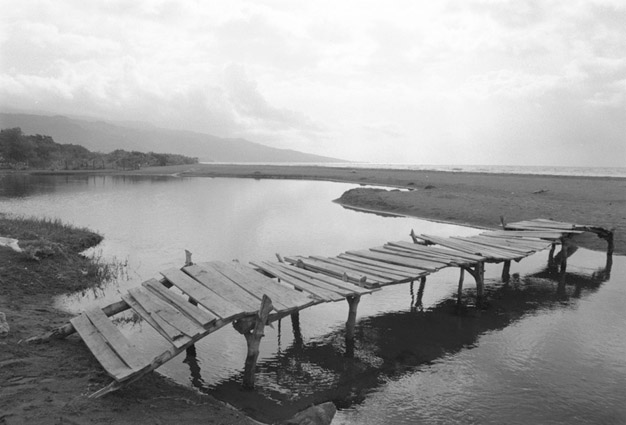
(541, 353)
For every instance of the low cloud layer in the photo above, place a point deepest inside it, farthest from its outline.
(467, 82)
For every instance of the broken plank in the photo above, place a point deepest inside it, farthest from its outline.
(259, 286)
(118, 342)
(312, 280)
(294, 296)
(408, 271)
(357, 278)
(219, 284)
(203, 296)
(299, 283)
(445, 252)
(381, 275)
(167, 331)
(156, 306)
(428, 261)
(495, 246)
(396, 259)
(98, 346)
(493, 251)
(334, 283)
(201, 316)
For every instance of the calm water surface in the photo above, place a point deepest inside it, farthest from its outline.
(541, 353)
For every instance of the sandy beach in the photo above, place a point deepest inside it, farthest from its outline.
(477, 199)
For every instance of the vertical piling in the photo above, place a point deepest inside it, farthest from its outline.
(252, 329)
(459, 291)
(480, 283)
(506, 271)
(420, 292)
(353, 303)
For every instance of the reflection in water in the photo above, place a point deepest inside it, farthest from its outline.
(388, 346)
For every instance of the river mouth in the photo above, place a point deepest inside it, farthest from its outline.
(539, 340)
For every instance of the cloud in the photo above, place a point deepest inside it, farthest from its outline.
(410, 81)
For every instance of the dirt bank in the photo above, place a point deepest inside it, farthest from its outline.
(48, 383)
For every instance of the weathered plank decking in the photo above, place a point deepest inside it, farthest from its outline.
(208, 296)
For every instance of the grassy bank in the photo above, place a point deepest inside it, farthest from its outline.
(49, 383)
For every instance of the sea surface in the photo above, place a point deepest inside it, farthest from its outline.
(542, 353)
(497, 169)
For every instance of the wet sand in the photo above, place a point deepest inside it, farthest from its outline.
(477, 199)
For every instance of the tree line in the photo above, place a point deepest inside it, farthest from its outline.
(20, 151)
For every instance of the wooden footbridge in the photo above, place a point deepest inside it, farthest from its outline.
(188, 304)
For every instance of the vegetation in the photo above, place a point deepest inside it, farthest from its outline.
(51, 260)
(20, 151)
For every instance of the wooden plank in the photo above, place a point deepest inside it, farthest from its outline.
(494, 252)
(118, 342)
(258, 286)
(172, 321)
(98, 346)
(534, 243)
(384, 276)
(543, 223)
(447, 260)
(495, 245)
(428, 261)
(446, 253)
(394, 267)
(298, 273)
(200, 316)
(334, 270)
(299, 283)
(294, 296)
(350, 288)
(224, 287)
(511, 243)
(206, 298)
(373, 277)
(467, 247)
(161, 309)
(145, 315)
(396, 259)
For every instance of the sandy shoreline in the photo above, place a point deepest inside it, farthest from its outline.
(477, 199)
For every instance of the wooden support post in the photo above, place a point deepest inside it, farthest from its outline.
(480, 283)
(506, 271)
(563, 255)
(551, 256)
(413, 236)
(252, 330)
(459, 291)
(188, 261)
(353, 303)
(610, 244)
(295, 326)
(420, 292)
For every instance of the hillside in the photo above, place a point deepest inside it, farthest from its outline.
(105, 137)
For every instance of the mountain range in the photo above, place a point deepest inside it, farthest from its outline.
(104, 136)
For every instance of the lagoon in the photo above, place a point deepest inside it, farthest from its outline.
(537, 356)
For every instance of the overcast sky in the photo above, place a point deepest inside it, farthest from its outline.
(515, 82)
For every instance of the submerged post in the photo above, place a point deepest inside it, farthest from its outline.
(353, 303)
(551, 256)
(506, 271)
(252, 329)
(420, 292)
(480, 283)
(459, 291)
